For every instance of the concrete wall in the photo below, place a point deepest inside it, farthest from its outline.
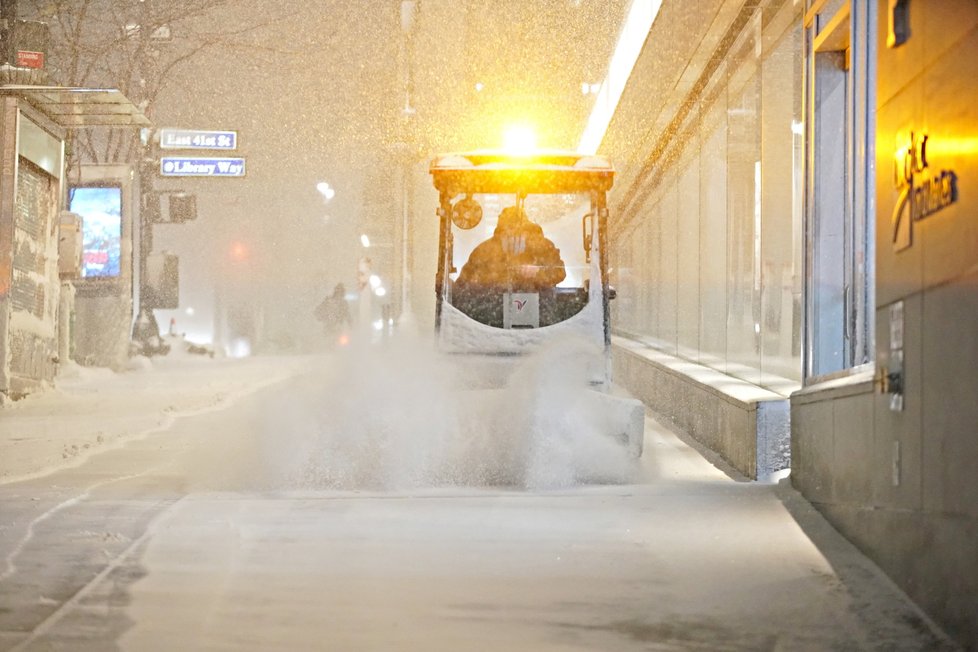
(902, 484)
(747, 425)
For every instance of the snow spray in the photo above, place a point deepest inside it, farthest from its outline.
(401, 415)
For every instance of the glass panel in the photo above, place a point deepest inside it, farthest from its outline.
(839, 327)
(781, 274)
(863, 347)
(39, 147)
(744, 216)
(830, 213)
(632, 297)
(715, 259)
(713, 237)
(624, 309)
(667, 278)
(539, 251)
(648, 260)
(688, 248)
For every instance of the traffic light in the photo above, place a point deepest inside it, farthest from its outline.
(239, 251)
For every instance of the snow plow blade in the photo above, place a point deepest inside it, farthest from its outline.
(623, 416)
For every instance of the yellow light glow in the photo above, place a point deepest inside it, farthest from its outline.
(520, 140)
(937, 147)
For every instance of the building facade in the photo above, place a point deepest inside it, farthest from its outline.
(707, 221)
(796, 258)
(50, 309)
(885, 432)
(31, 155)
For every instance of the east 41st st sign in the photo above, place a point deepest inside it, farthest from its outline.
(182, 166)
(197, 139)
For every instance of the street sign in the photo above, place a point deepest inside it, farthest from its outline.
(196, 139)
(28, 59)
(184, 166)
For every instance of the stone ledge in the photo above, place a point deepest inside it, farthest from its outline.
(749, 426)
(853, 385)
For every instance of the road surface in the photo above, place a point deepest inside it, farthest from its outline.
(207, 535)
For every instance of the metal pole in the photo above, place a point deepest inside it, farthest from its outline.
(409, 9)
(149, 202)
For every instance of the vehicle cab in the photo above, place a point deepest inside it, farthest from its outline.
(521, 253)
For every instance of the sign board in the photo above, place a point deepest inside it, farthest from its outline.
(186, 166)
(196, 139)
(28, 59)
(100, 206)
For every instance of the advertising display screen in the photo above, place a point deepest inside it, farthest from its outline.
(101, 210)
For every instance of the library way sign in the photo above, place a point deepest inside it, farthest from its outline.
(200, 166)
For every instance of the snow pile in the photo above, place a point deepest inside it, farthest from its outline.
(400, 416)
(461, 333)
(72, 374)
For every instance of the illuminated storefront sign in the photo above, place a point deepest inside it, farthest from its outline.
(922, 192)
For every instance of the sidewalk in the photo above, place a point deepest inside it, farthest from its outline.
(89, 410)
(690, 554)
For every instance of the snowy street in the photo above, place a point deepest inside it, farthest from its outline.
(217, 515)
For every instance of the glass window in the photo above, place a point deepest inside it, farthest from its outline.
(780, 263)
(714, 252)
(713, 237)
(535, 247)
(668, 281)
(840, 74)
(688, 248)
(743, 213)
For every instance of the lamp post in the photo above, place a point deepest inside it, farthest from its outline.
(406, 154)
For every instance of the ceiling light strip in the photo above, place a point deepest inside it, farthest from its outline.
(634, 32)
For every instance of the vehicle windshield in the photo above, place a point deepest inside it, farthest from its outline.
(534, 248)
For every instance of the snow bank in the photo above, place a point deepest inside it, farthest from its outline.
(92, 409)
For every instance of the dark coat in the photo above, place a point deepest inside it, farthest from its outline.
(334, 312)
(518, 257)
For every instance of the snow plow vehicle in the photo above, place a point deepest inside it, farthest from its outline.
(523, 263)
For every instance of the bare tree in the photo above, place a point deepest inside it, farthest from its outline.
(136, 46)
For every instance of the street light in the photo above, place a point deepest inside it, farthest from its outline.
(325, 190)
(519, 140)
